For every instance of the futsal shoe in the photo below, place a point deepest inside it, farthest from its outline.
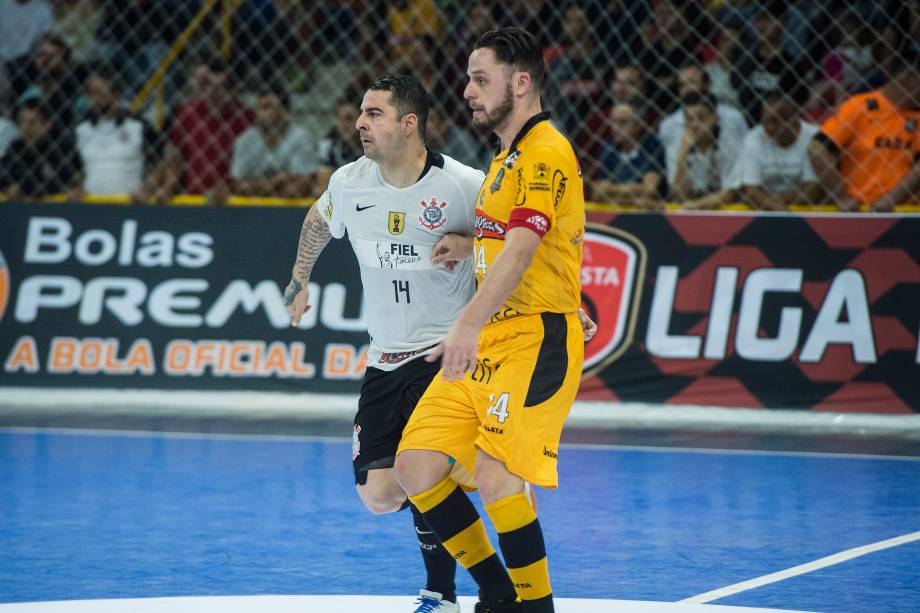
(492, 606)
(431, 602)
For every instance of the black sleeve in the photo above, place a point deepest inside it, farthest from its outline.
(825, 140)
(10, 165)
(154, 144)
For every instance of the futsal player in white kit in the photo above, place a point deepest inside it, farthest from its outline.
(409, 215)
(397, 203)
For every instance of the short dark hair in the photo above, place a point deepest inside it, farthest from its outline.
(107, 73)
(60, 43)
(704, 98)
(278, 92)
(696, 65)
(518, 48)
(37, 105)
(407, 95)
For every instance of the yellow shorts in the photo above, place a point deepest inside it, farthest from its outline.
(513, 405)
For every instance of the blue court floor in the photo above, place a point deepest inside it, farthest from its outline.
(101, 515)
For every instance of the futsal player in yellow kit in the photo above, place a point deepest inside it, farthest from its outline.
(511, 364)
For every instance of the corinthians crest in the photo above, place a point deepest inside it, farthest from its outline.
(433, 216)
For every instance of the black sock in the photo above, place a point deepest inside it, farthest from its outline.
(440, 566)
(455, 520)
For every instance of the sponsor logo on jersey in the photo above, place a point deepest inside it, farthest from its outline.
(433, 216)
(395, 255)
(355, 444)
(540, 171)
(522, 189)
(538, 222)
(486, 226)
(327, 210)
(558, 189)
(4, 285)
(396, 222)
(612, 271)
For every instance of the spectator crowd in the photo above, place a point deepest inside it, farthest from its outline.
(698, 102)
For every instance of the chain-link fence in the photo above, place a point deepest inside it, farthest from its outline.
(690, 102)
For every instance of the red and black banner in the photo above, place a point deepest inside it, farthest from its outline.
(728, 309)
(744, 310)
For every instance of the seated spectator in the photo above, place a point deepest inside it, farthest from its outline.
(704, 170)
(627, 85)
(22, 25)
(719, 70)
(849, 66)
(136, 34)
(775, 169)
(8, 133)
(866, 152)
(275, 157)
(408, 20)
(691, 78)
(202, 135)
(265, 41)
(671, 38)
(59, 81)
(120, 154)
(77, 22)
(39, 162)
(456, 141)
(764, 66)
(573, 87)
(632, 165)
(342, 143)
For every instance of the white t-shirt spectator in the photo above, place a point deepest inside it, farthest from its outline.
(8, 133)
(671, 129)
(295, 153)
(115, 153)
(22, 25)
(777, 169)
(713, 170)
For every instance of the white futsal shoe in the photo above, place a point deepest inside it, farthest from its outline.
(431, 602)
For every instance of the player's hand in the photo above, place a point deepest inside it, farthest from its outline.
(457, 352)
(297, 300)
(587, 325)
(452, 249)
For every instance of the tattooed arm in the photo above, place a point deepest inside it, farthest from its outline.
(314, 236)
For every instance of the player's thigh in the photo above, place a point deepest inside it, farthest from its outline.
(386, 400)
(444, 420)
(524, 405)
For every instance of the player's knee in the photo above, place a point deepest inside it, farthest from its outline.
(381, 500)
(416, 470)
(494, 480)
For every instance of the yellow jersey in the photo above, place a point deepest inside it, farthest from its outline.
(535, 183)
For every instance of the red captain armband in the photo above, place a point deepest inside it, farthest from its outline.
(531, 219)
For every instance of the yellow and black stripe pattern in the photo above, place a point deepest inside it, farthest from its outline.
(521, 540)
(455, 521)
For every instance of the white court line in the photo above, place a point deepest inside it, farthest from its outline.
(76, 431)
(802, 569)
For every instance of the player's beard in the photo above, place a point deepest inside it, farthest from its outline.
(499, 114)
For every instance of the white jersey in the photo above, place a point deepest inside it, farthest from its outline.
(411, 304)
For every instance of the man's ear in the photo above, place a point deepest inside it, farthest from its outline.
(521, 83)
(410, 123)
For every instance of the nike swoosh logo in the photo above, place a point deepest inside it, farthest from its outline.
(422, 532)
(360, 208)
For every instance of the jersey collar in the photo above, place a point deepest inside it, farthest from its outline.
(432, 159)
(525, 129)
